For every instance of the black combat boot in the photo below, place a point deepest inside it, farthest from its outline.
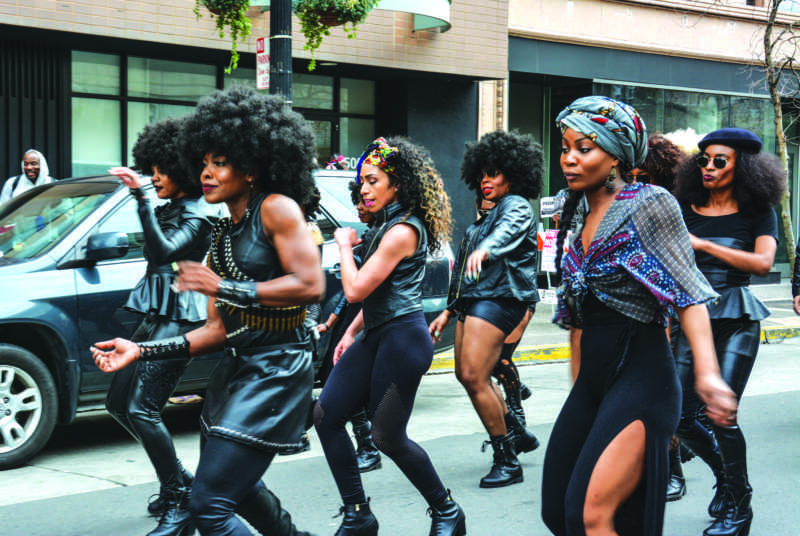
(514, 403)
(176, 519)
(701, 441)
(676, 487)
(358, 521)
(737, 515)
(447, 519)
(264, 512)
(367, 454)
(506, 469)
(158, 504)
(524, 441)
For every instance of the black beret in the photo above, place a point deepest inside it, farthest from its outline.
(738, 138)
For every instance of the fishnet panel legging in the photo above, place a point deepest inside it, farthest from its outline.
(383, 370)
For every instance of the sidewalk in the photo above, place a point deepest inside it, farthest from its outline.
(543, 341)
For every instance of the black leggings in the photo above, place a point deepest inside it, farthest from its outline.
(138, 394)
(228, 474)
(383, 370)
(736, 342)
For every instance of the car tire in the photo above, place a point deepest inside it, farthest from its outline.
(28, 405)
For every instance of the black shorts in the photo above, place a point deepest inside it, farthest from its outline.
(503, 313)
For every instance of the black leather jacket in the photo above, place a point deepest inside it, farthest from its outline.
(508, 233)
(178, 230)
(401, 292)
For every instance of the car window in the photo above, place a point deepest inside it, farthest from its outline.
(124, 219)
(31, 226)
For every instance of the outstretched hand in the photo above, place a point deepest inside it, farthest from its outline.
(116, 354)
(128, 176)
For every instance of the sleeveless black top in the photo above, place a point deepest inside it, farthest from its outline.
(401, 292)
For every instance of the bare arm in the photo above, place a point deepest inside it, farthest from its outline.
(575, 352)
(398, 243)
(299, 257)
(759, 262)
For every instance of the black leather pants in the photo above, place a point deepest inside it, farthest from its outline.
(736, 342)
(138, 394)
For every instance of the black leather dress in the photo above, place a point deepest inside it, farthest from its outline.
(260, 393)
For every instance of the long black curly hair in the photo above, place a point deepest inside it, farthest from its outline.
(156, 147)
(759, 182)
(662, 158)
(257, 134)
(420, 189)
(516, 155)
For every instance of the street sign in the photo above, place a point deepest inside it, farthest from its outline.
(262, 64)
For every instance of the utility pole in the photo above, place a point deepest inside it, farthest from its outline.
(280, 49)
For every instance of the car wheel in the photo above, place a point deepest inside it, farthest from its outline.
(28, 405)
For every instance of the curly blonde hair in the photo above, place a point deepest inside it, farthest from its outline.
(421, 190)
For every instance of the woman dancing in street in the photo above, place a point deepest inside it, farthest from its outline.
(495, 286)
(631, 263)
(727, 193)
(383, 369)
(264, 267)
(179, 229)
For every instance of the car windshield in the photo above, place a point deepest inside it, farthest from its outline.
(32, 225)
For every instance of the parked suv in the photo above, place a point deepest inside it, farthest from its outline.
(70, 253)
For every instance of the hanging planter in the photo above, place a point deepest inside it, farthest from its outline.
(230, 14)
(318, 16)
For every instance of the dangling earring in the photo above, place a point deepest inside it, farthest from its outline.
(249, 200)
(611, 181)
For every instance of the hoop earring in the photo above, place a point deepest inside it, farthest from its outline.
(612, 179)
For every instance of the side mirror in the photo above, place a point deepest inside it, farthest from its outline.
(104, 246)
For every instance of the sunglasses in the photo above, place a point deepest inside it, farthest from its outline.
(719, 161)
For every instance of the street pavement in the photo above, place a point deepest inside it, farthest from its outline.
(94, 480)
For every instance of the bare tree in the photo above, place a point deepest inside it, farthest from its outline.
(781, 47)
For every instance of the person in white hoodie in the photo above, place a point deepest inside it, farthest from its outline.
(34, 173)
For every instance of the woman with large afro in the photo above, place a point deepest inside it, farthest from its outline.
(494, 286)
(179, 229)
(383, 369)
(256, 156)
(727, 193)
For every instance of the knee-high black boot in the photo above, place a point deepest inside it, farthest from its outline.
(264, 512)
(523, 440)
(737, 514)
(367, 454)
(702, 442)
(676, 487)
(506, 469)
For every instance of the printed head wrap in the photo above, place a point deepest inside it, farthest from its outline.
(613, 125)
(378, 153)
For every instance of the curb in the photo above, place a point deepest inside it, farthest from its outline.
(444, 362)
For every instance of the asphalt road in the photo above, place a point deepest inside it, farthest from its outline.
(93, 480)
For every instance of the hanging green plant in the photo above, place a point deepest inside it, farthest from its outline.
(233, 15)
(317, 16)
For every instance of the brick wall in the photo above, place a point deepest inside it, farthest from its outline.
(477, 44)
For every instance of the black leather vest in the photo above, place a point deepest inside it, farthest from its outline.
(401, 292)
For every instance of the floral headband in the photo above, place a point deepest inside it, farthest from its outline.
(377, 154)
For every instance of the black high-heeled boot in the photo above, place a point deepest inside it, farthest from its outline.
(158, 503)
(676, 487)
(506, 469)
(358, 521)
(264, 512)
(367, 454)
(737, 514)
(447, 519)
(523, 440)
(176, 519)
(701, 441)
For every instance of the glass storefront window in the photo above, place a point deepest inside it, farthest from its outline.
(241, 76)
(95, 144)
(162, 79)
(95, 73)
(757, 116)
(312, 91)
(356, 134)
(141, 114)
(357, 96)
(701, 111)
(322, 136)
